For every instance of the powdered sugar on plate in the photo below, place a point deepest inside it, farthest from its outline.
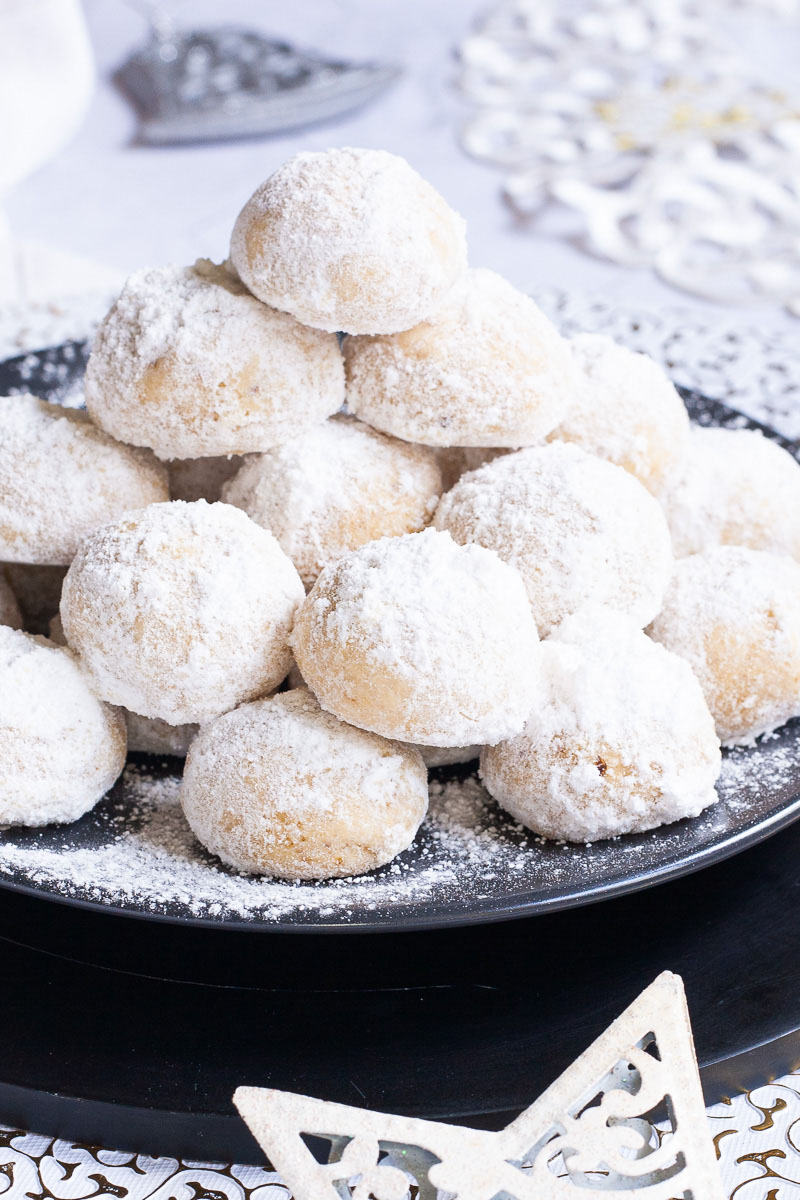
(135, 853)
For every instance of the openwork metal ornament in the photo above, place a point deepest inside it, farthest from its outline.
(634, 115)
(625, 1120)
(214, 84)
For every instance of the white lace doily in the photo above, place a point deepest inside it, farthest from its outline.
(755, 371)
(756, 1138)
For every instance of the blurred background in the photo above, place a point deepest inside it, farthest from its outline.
(645, 152)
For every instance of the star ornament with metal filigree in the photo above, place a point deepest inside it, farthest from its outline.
(626, 1120)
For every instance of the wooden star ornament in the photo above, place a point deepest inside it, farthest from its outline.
(626, 1121)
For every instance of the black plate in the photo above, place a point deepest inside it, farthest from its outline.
(470, 864)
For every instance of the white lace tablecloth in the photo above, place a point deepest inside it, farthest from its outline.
(757, 1135)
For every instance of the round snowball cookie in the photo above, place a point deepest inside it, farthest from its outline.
(575, 527)
(189, 363)
(201, 478)
(279, 787)
(9, 609)
(734, 615)
(351, 240)
(738, 488)
(181, 611)
(60, 747)
(627, 411)
(335, 488)
(422, 640)
(487, 369)
(61, 477)
(620, 739)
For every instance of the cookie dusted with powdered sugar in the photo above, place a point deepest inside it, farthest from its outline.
(188, 363)
(626, 411)
(737, 488)
(335, 488)
(734, 615)
(619, 739)
(421, 640)
(181, 611)
(61, 477)
(577, 529)
(280, 787)
(486, 369)
(60, 747)
(349, 240)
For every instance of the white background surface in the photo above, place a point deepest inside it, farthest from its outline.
(106, 199)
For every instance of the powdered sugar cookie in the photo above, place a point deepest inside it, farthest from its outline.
(576, 528)
(619, 740)
(734, 615)
(737, 488)
(335, 488)
(626, 411)
(181, 611)
(61, 477)
(279, 787)
(349, 240)
(189, 363)
(60, 748)
(421, 640)
(487, 369)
